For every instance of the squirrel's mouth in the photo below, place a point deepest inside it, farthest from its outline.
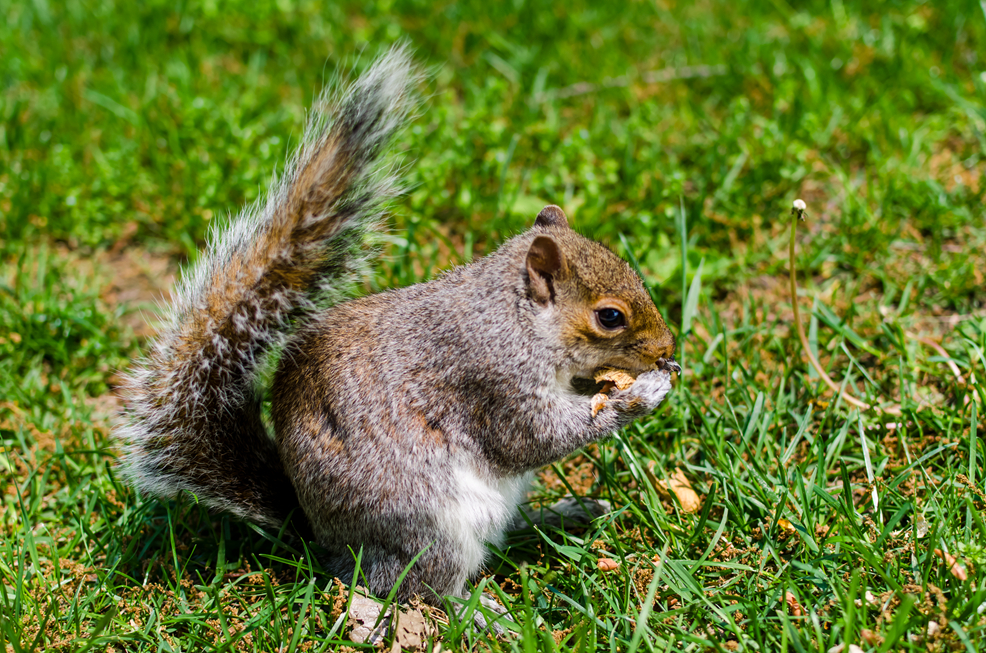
(586, 386)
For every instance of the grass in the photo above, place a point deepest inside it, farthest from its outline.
(125, 131)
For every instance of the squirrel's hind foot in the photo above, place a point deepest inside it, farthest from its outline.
(571, 512)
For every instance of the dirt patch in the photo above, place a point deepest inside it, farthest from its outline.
(580, 473)
(140, 280)
(42, 450)
(947, 167)
(106, 406)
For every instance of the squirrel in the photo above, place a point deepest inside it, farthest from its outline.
(406, 423)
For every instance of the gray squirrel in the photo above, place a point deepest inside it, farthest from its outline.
(407, 423)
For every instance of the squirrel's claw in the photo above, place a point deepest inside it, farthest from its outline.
(644, 395)
(668, 365)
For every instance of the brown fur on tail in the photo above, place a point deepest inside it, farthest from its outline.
(193, 419)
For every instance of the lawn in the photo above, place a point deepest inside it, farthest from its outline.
(677, 133)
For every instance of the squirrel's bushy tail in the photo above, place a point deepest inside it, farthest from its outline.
(193, 418)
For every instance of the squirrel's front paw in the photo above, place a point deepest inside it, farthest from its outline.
(644, 395)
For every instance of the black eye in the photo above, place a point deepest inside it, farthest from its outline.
(610, 318)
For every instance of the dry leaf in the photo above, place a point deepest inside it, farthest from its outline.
(954, 567)
(786, 526)
(363, 613)
(793, 607)
(920, 526)
(607, 564)
(870, 637)
(871, 600)
(412, 631)
(682, 488)
(839, 648)
(620, 378)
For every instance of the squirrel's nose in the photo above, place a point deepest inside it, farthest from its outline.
(661, 351)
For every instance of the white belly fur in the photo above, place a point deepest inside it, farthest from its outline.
(481, 511)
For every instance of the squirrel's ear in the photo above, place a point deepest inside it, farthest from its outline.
(545, 264)
(551, 216)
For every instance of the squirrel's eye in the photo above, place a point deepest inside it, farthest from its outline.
(610, 318)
